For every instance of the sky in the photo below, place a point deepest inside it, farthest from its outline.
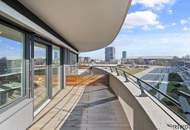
(7, 46)
(10, 46)
(153, 28)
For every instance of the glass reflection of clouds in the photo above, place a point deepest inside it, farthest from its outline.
(10, 45)
(40, 51)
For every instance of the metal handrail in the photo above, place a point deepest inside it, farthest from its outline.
(126, 78)
(183, 93)
(157, 90)
(116, 69)
(141, 88)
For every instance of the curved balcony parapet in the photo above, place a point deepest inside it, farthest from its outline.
(143, 112)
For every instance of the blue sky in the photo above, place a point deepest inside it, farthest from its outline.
(153, 28)
(7, 46)
(12, 49)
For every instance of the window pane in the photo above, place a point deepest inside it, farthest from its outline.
(56, 70)
(11, 65)
(56, 55)
(40, 75)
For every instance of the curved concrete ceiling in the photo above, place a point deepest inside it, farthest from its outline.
(87, 24)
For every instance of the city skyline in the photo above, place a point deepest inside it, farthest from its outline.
(130, 57)
(153, 28)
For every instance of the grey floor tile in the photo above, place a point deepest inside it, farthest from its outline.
(98, 109)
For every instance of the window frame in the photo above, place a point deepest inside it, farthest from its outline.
(6, 106)
(48, 72)
(30, 38)
(60, 67)
(49, 62)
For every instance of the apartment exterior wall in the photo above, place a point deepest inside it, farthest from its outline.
(19, 114)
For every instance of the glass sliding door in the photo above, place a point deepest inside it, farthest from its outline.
(11, 65)
(56, 70)
(40, 75)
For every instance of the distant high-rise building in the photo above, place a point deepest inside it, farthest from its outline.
(109, 54)
(124, 57)
(124, 54)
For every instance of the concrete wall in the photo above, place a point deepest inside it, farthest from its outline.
(18, 117)
(136, 115)
(138, 118)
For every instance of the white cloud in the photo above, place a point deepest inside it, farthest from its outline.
(186, 29)
(164, 40)
(161, 27)
(141, 19)
(145, 28)
(186, 24)
(173, 24)
(170, 11)
(183, 21)
(152, 3)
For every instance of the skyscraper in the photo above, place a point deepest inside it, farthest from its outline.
(109, 54)
(124, 57)
(124, 54)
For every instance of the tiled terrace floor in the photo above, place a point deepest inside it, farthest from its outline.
(90, 105)
(98, 109)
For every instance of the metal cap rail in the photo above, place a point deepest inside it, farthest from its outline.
(140, 81)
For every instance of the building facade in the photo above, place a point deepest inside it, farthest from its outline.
(124, 57)
(124, 54)
(32, 71)
(110, 54)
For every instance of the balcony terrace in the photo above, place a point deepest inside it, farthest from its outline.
(102, 100)
(41, 89)
(86, 103)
